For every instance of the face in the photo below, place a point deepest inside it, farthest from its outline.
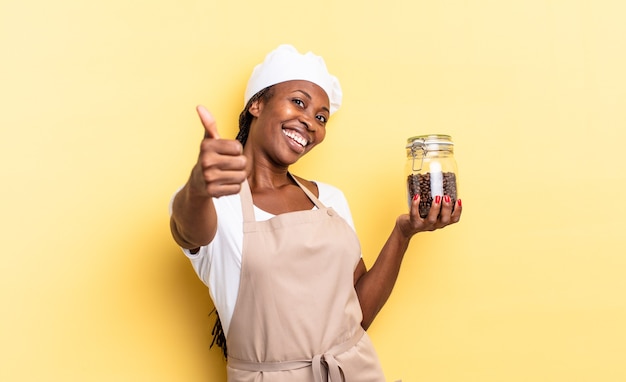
(291, 122)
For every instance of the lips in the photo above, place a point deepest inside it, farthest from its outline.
(296, 137)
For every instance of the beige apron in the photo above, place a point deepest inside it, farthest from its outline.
(297, 316)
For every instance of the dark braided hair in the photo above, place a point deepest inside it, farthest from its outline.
(219, 338)
(245, 119)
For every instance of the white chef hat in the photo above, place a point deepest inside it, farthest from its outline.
(285, 63)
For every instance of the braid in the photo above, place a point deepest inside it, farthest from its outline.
(219, 338)
(245, 118)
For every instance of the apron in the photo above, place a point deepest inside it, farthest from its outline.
(297, 315)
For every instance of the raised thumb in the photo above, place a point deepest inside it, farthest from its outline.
(210, 126)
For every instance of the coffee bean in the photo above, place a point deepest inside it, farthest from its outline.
(421, 184)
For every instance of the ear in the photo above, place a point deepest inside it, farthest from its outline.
(255, 108)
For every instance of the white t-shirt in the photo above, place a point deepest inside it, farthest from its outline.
(218, 264)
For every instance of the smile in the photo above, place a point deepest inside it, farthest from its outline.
(296, 137)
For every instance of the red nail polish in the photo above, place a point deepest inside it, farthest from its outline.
(446, 198)
(459, 202)
(416, 196)
(437, 199)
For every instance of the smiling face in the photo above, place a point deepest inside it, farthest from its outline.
(290, 123)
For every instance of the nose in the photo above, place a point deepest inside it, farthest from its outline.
(306, 120)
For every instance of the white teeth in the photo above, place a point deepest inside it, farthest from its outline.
(296, 137)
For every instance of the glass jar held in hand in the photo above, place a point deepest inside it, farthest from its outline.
(431, 170)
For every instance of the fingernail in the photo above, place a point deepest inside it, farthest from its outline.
(416, 196)
(446, 198)
(437, 199)
(459, 202)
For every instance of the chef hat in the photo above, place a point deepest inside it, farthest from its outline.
(285, 63)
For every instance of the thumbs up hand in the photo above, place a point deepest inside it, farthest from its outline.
(221, 166)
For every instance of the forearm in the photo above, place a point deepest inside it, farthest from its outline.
(374, 286)
(194, 221)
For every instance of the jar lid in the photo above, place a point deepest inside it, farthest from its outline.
(429, 139)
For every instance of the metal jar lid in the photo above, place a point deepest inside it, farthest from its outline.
(430, 142)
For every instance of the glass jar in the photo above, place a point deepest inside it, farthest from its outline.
(431, 170)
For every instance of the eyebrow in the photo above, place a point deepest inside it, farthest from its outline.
(307, 95)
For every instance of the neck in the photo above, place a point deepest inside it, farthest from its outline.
(264, 173)
(262, 177)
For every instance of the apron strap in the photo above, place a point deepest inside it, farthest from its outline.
(308, 193)
(323, 365)
(247, 206)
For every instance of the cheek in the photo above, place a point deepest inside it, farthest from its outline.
(289, 110)
(321, 134)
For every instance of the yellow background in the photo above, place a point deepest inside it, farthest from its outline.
(98, 129)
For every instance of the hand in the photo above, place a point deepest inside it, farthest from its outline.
(221, 166)
(439, 216)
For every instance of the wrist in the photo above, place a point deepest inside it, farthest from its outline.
(404, 229)
(196, 186)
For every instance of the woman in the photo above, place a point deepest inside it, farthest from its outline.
(278, 252)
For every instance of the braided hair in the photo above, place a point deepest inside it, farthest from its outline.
(219, 338)
(245, 119)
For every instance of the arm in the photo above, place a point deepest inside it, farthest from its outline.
(193, 222)
(220, 170)
(374, 287)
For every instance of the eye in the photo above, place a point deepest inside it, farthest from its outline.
(322, 118)
(298, 102)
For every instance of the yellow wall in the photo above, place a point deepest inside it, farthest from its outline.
(98, 129)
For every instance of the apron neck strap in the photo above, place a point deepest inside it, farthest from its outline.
(247, 206)
(308, 193)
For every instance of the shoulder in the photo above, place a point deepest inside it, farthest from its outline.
(321, 189)
(328, 192)
(332, 196)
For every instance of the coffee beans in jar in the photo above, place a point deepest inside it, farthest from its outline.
(431, 170)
